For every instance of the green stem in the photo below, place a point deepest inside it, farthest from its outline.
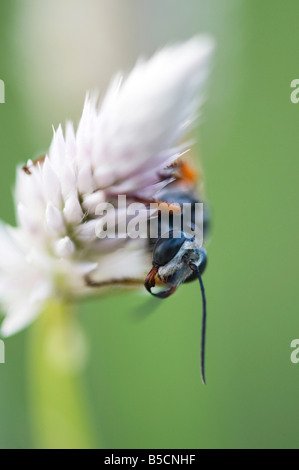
(56, 358)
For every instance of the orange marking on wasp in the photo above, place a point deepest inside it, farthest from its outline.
(169, 207)
(188, 173)
(163, 206)
(181, 171)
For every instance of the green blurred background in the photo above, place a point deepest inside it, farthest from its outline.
(142, 377)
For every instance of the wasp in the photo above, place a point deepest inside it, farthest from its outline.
(177, 256)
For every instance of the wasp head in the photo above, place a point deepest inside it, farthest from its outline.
(176, 258)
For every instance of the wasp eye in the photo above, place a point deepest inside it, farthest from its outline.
(166, 248)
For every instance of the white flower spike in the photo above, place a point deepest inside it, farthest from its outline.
(120, 148)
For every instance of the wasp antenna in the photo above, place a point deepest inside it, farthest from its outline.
(204, 321)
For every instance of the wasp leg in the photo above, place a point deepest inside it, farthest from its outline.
(150, 282)
(116, 282)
